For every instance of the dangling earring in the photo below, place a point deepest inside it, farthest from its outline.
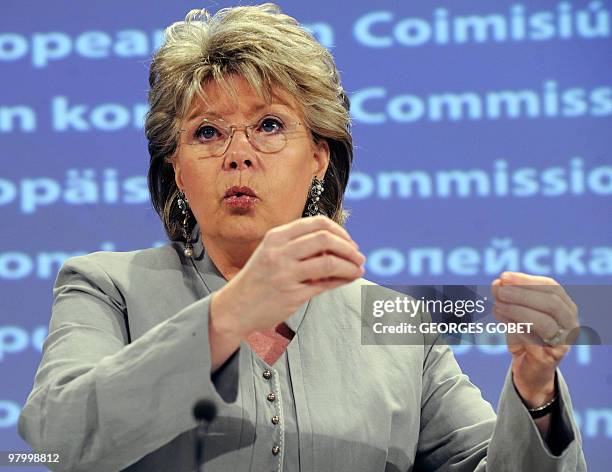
(183, 204)
(316, 189)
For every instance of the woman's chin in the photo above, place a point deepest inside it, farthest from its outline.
(245, 227)
(243, 230)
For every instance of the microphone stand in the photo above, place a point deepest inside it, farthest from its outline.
(204, 411)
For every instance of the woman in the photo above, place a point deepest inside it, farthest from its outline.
(258, 309)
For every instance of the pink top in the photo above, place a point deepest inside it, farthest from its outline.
(270, 344)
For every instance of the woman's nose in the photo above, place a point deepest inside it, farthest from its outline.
(239, 151)
(238, 161)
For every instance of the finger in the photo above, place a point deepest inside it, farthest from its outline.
(565, 318)
(302, 226)
(315, 287)
(519, 339)
(320, 241)
(539, 283)
(495, 287)
(327, 265)
(534, 346)
(549, 303)
(543, 325)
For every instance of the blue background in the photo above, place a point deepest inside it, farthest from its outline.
(404, 80)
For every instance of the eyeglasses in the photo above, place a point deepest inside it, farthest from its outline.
(213, 137)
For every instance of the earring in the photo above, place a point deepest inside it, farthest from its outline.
(183, 205)
(316, 189)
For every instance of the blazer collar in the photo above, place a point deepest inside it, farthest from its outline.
(214, 280)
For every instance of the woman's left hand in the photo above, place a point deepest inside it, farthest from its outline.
(542, 301)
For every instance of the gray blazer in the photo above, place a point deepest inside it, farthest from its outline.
(127, 356)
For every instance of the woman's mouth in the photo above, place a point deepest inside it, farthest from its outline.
(240, 197)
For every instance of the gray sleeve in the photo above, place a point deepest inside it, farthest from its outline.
(460, 431)
(516, 441)
(101, 403)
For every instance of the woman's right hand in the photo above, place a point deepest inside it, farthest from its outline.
(293, 263)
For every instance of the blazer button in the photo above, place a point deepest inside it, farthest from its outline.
(275, 450)
(275, 419)
(271, 397)
(267, 374)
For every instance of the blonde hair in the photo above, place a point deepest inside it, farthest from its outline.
(267, 48)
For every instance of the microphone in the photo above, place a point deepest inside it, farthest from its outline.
(204, 412)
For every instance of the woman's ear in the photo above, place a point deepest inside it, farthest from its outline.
(321, 157)
(178, 175)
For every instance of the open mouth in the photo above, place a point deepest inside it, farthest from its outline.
(240, 197)
(240, 191)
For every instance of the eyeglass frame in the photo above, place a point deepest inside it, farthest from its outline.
(245, 128)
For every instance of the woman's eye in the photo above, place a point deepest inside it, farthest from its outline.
(271, 125)
(205, 133)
